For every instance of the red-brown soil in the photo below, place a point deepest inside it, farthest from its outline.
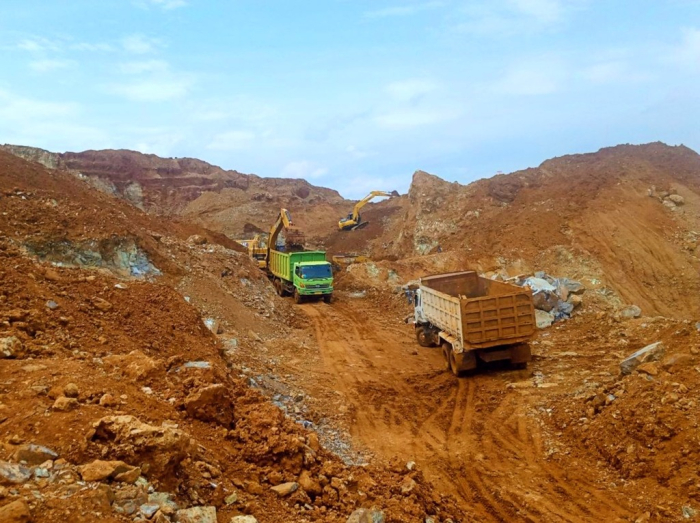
(546, 444)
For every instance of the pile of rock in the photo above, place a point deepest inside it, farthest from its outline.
(670, 199)
(554, 298)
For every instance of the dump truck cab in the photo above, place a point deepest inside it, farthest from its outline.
(313, 278)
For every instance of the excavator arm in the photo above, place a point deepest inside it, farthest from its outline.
(354, 220)
(293, 237)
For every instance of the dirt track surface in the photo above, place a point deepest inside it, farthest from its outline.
(486, 439)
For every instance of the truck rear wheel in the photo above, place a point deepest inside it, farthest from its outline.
(422, 337)
(454, 366)
(446, 354)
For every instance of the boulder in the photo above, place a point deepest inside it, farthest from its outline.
(211, 403)
(63, 404)
(653, 352)
(197, 239)
(363, 515)
(71, 391)
(102, 304)
(650, 368)
(149, 509)
(285, 489)
(100, 470)
(13, 473)
(543, 319)
(310, 485)
(34, 454)
(135, 365)
(107, 400)
(164, 500)
(15, 512)
(677, 199)
(196, 515)
(630, 312)
(575, 300)
(545, 301)
(10, 347)
(128, 438)
(243, 519)
(574, 287)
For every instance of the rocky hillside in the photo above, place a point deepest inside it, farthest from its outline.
(202, 191)
(121, 393)
(626, 218)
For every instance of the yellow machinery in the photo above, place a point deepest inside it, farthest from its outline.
(354, 220)
(343, 260)
(257, 249)
(293, 237)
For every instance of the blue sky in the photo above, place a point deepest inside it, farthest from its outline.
(351, 94)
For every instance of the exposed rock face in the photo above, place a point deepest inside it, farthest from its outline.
(168, 185)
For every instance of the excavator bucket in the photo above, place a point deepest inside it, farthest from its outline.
(293, 238)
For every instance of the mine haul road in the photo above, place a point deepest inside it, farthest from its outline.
(473, 437)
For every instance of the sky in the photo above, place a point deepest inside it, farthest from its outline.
(351, 94)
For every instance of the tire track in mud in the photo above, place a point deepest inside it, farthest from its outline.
(470, 438)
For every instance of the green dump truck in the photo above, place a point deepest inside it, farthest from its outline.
(303, 274)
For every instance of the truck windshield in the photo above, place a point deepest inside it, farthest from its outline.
(311, 272)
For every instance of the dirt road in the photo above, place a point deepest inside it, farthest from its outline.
(474, 438)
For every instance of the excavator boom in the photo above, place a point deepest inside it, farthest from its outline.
(293, 237)
(354, 220)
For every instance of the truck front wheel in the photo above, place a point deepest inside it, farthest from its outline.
(297, 297)
(328, 298)
(422, 337)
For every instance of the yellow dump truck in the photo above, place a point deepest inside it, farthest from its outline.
(474, 318)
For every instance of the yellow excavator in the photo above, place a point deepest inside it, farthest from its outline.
(257, 249)
(353, 220)
(293, 237)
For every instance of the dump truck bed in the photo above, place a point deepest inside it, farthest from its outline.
(478, 312)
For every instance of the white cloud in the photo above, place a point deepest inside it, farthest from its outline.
(411, 118)
(37, 44)
(91, 46)
(613, 71)
(403, 10)
(539, 77)
(499, 18)
(45, 66)
(410, 90)
(163, 4)
(357, 154)
(232, 141)
(688, 52)
(303, 169)
(144, 66)
(20, 109)
(544, 11)
(140, 44)
(153, 90)
(47, 124)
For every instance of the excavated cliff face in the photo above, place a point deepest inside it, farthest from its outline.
(626, 216)
(173, 185)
